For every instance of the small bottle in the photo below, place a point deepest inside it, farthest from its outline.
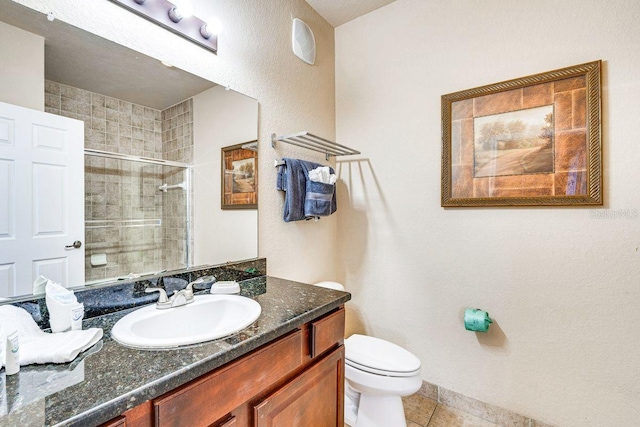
(12, 365)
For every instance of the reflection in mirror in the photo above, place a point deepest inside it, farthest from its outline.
(153, 136)
(135, 216)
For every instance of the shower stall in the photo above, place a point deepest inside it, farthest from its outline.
(137, 215)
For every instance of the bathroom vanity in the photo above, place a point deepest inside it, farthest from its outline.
(298, 376)
(289, 365)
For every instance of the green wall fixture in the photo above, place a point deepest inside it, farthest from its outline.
(476, 320)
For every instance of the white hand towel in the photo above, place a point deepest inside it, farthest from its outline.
(39, 285)
(37, 346)
(60, 301)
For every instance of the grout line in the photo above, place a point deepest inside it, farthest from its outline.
(432, 414)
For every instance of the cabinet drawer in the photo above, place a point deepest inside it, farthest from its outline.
(140, 416)
(231, 422)
(208, 399)
(326, 332)
(116, 422)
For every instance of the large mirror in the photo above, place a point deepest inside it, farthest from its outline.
(153, 138)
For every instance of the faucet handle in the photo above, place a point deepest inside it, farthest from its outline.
(198, 281)
(163, 294)
(189, 287)
(181, 298)
(188, 291)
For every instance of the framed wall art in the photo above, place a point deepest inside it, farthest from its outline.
(239, 177)
(531, 141)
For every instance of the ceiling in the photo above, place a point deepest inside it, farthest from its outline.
(78, 58)
(337, 12)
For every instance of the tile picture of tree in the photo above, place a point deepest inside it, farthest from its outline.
(514, 143)
(531, 141)
(239, 177)
(244, 176)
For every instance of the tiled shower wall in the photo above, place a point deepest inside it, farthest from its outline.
(120, 193)
(177, 137)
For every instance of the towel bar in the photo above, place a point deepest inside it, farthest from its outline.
(314, 143)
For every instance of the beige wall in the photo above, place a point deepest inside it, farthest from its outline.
(254, 58)
(22, 70)
(562, 285)
(221, 118)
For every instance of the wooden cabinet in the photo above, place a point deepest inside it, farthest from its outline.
(207, 399)
(295, 380)
(314, 398)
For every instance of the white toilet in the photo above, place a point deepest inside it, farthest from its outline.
(377, 373)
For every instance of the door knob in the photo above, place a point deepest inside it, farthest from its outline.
(75, 245)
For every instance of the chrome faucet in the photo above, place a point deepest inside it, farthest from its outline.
(181, 297)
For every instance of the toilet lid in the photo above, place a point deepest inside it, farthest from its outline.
(379, 357)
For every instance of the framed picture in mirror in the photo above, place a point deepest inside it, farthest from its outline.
(531, 141)
(240, 176)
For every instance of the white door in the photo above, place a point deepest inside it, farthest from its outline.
(41, 199)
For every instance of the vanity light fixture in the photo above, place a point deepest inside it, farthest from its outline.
(213, 26)
(177, 17)
(181, 9)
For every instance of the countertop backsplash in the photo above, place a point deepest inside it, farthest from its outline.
(124, 294)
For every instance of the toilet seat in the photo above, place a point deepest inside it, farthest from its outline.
(382, 372)
(380, 357)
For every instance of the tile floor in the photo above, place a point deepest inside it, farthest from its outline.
(421, 411)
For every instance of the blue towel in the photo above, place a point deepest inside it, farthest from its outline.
(319, 199)
(304, 199)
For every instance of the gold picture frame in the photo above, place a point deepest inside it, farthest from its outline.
(239, 177)
(531, 141)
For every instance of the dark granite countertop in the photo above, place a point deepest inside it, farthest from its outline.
(109, 378)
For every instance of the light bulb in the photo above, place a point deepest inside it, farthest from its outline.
(182, 9)
(212, 27)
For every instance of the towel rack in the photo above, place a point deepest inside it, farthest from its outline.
(314, 143)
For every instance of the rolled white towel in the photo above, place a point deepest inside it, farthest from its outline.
(322, 174)
(39, 285)
(37, 346)
(60, 302)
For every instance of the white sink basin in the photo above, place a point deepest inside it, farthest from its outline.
(207, 318)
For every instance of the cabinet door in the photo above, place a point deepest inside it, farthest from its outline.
(314, 398)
